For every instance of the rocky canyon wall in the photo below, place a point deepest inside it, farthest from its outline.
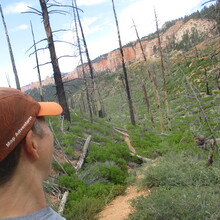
(132, 52)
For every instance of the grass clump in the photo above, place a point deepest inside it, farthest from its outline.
(184, 188)
(85, 209)
(179, 203)
(179, 169)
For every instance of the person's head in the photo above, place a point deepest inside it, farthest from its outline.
(24, 135)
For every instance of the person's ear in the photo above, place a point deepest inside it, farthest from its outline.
(31, 145)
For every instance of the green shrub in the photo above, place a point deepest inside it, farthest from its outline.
(98, 190)
(86, 209)
(69, 168)
(99, 138)
(177, 169)
(69, 139)
(70, 182)
(69, 151)
(76, 130)
(179, 203)
(113, 174)
(108, 152)
(56, 166)
(91, 174)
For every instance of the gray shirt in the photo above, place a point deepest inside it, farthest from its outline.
(44, 214)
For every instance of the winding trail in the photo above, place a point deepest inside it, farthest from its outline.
(120, 207)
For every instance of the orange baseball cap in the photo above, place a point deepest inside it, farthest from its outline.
(18, 112)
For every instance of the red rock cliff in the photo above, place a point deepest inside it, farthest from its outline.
(132, 52)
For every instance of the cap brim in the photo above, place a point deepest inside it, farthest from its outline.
(49, 109)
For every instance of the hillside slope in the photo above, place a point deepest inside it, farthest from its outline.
(198, 29)
(181, 35)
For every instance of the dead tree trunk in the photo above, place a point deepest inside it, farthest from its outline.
(83, 156)
(163, 73)
(8, 80)
(143, 86)
(148, 105)
(10, 51)
(218, 79)
(83, 70)
(63, 202)
(83, 103)
(57, 74)
(130, 102)
(101, 111)
(213, 137)
(38, 68)
(139, 41)
(157, 98)
(217, 9)
(207, 82)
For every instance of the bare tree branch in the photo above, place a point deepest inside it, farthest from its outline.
(35, 11)
(42, 64)
(61, 30)
(61, 12)
(207, 2)
(70, 56)
(31, 12)
(35, 44)
(62, 41)
(65, 6)
(38, 50)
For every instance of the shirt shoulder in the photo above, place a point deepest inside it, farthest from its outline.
(44, 214)
(50, 214)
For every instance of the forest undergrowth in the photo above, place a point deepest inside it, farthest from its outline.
(182, 185)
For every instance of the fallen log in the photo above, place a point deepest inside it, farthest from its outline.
(121, 129)
(121, 132)
(83, 155)
(63, 202)
(144, 159)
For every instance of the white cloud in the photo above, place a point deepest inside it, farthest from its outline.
(16, 8)
(19, 28)
(25, 73)
(103, 45)
(88, 25)
(89, 2)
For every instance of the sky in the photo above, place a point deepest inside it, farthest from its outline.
(99, 28)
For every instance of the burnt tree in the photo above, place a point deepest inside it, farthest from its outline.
(148, 105)
(96, 93)
(10, 51)
(57, 74)
(83, 69)
(37, 62)
(157, 97)
(139, 41)
(130, 102)
(163, 72)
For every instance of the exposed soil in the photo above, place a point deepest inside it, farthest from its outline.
(131, 148)
(120, 208)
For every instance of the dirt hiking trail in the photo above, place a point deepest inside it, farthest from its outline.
(120, 208)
